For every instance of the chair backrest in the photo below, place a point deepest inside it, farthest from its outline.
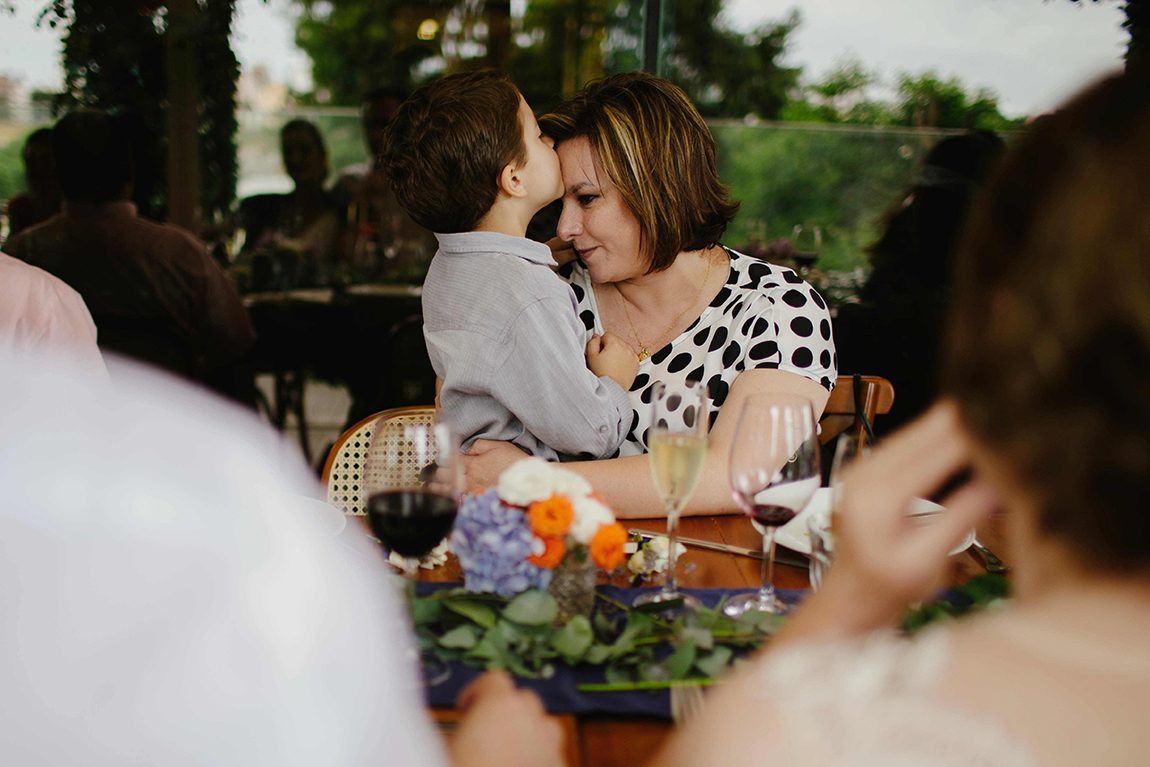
(343, 471)
(839, 415)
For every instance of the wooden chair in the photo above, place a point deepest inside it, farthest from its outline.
(875, 397)
(343, 471)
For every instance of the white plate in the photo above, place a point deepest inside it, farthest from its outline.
(794, 534)
(329, 517)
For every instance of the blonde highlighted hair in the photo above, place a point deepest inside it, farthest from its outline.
(654, 146)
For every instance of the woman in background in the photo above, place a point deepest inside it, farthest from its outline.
(298, 232)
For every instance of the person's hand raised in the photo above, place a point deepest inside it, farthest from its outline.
(611, 356)
(884, 560)
(503, 726)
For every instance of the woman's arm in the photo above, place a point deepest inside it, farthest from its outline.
(626, 484)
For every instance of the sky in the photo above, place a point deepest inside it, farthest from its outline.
(1033, 53)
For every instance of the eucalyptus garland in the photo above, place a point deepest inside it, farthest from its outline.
(634, 647)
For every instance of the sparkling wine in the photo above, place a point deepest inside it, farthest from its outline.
(677, 464)
(411, 522)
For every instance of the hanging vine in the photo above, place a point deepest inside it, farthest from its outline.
(114, 60)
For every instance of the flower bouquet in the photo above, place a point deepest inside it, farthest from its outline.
(541, 527)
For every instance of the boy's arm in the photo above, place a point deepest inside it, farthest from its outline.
(544, 381)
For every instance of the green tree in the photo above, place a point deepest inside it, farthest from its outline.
(114, 60)
(726, 73)
(928, 101)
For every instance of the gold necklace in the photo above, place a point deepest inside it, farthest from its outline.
(644, 352)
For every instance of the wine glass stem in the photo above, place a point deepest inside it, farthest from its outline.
(767, 589)
(671, 584)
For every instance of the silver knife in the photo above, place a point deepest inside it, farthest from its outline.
(783, 557)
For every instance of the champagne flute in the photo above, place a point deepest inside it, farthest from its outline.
(677, 444)
(774, 472)
(413, 476)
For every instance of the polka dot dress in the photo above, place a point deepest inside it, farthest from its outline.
(764, 317)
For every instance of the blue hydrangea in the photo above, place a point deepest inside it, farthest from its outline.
(492, 542)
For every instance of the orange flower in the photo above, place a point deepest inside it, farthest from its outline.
(551, 556)
(551, 518)
(607, 546)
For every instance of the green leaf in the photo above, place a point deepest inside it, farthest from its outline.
(424, 611)
(700, 637)
(573, 640)
(489, 647)
(532, 608)
(597, 655)
(713, 663)
(460, 638)
(679, 663)
(479, 613)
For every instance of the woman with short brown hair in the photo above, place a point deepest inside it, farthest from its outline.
(643, 213)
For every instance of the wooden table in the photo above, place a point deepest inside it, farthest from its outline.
(627, 741)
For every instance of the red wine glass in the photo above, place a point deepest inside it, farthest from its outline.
(774, 471)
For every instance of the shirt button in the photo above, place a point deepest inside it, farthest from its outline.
(602, 429)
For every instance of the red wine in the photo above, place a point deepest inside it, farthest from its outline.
(410, 522)
(772, 516)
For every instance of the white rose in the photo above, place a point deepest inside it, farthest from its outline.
(534, 479)
(652, 556)
(568, 483)
(590, 515)
(526, 481)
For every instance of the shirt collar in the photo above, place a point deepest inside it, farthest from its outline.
(474, 243)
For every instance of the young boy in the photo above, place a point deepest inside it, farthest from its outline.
(467, 161)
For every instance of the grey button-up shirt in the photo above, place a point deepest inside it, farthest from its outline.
(504, 337)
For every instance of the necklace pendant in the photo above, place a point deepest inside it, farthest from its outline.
(643, 354)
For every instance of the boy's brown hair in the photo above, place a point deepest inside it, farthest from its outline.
(656, 149)
(447, 145)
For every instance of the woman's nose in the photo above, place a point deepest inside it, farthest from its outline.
(570, 226)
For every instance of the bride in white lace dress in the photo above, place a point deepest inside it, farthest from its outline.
(1049, 375)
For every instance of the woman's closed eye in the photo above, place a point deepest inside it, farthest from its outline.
(585, 199)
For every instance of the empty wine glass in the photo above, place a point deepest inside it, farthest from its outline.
(677, 444)
(774, 471)
(413, 476)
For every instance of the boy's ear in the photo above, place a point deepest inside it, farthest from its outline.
(510, 182)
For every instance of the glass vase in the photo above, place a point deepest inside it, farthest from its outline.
(573, 586)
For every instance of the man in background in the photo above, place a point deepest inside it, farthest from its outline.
(153, 290)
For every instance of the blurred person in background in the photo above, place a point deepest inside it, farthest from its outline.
(381, 243)
(896, 329)
(1048, 377)
(43, 198)
(294, 238)
(153, 291)
(165, 603)
(41, 316)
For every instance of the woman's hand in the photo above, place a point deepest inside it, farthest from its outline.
(885, 561)
(562, 250)
(503, 726)
(485, 460)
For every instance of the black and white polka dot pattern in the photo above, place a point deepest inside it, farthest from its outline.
(764, 317)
